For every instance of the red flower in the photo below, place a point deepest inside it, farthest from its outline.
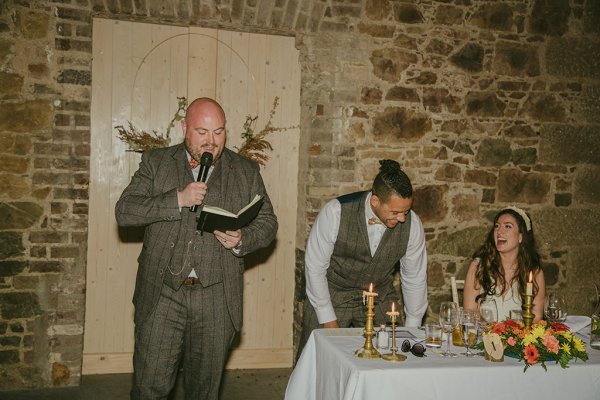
(558, 327)
(531, 354)
(511, 324)
(498, 328)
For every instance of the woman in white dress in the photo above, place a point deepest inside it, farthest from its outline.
(500, 269)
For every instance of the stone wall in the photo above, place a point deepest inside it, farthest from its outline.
(483, 103)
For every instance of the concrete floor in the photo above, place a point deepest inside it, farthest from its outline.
(238, 384)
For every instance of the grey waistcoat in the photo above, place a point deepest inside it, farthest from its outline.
(352, 267)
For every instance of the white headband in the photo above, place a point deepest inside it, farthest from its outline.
(523, 215)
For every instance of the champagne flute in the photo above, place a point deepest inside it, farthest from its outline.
(470, 330)
(448, 318)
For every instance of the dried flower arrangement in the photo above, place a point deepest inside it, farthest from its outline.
(254, 146)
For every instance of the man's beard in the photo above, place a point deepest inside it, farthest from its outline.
(196, 155)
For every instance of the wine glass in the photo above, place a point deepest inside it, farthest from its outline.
(448, 318)
(555, 307)
(489, 311)
(469, 322)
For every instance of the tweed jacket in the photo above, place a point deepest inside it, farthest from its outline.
(172, 246)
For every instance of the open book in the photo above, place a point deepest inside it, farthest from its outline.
(216, 219)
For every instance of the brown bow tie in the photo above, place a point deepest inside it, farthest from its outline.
(374, 221)
(193, 163)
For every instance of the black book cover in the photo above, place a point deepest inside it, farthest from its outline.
(216, 219)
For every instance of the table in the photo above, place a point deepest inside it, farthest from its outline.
(329, 370)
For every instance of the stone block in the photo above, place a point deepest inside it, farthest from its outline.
(440, 99)
(407, 13)
(430, 202)
(484, 104)
(15, 186)
(545, 107)
(493, 16)
(370, 95)
(17, 327)
(389, 63)
(480, 177)
(17, 305)
(516, 60)
(9, 357)
(13, 164)
(519, 131)
(573, 57)
(435, 275)
(563, 199)
(26, 116)
(397, 125)
(377, 30)
(10, 84)
(525, 156)
(465, 207)
(33, 24)
(75, 77)
(462, 243)
(493, 152)
(10, 341)
(567, 144)
(377, 9)
(551, 271)
(19, 215)
(448, 173)
(448, 15)
(440, 47)
(424, 78)
(399, 93)
(586, 185)
(550, 17)
(514, 186)
(11, 267)
(74, 14)
(11, 245)
(469, 57)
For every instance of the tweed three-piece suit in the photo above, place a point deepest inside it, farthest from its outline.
(194, 322)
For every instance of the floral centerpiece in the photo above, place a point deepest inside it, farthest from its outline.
(543, 342)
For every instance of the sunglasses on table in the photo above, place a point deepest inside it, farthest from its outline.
(416, 349)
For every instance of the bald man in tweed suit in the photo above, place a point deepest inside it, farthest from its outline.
(188, 292)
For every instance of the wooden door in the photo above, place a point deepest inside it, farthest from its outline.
(138, 72)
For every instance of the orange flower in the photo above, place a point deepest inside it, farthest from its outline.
(531, 354)
(551, 343)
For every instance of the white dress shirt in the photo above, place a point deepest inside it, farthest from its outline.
(319, 248)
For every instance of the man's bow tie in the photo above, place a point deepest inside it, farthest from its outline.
(374, 221)
(193, 163)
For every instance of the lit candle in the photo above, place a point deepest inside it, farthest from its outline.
(529, 287)
(393, 313)
(370, 295)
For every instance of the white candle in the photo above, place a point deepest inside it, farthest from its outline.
(529, 287)
(393, 313)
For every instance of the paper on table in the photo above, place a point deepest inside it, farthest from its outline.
(402, 333)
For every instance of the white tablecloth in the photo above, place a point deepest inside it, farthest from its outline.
(329, 370)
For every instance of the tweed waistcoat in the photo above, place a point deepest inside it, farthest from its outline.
(187, 251)
(352, 266)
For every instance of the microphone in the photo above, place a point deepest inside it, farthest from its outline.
(205, 162)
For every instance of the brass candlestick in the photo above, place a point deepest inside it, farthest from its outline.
(368, 350)
(393, 356)
(527, 314)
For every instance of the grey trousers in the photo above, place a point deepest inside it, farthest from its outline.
(193, 325)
